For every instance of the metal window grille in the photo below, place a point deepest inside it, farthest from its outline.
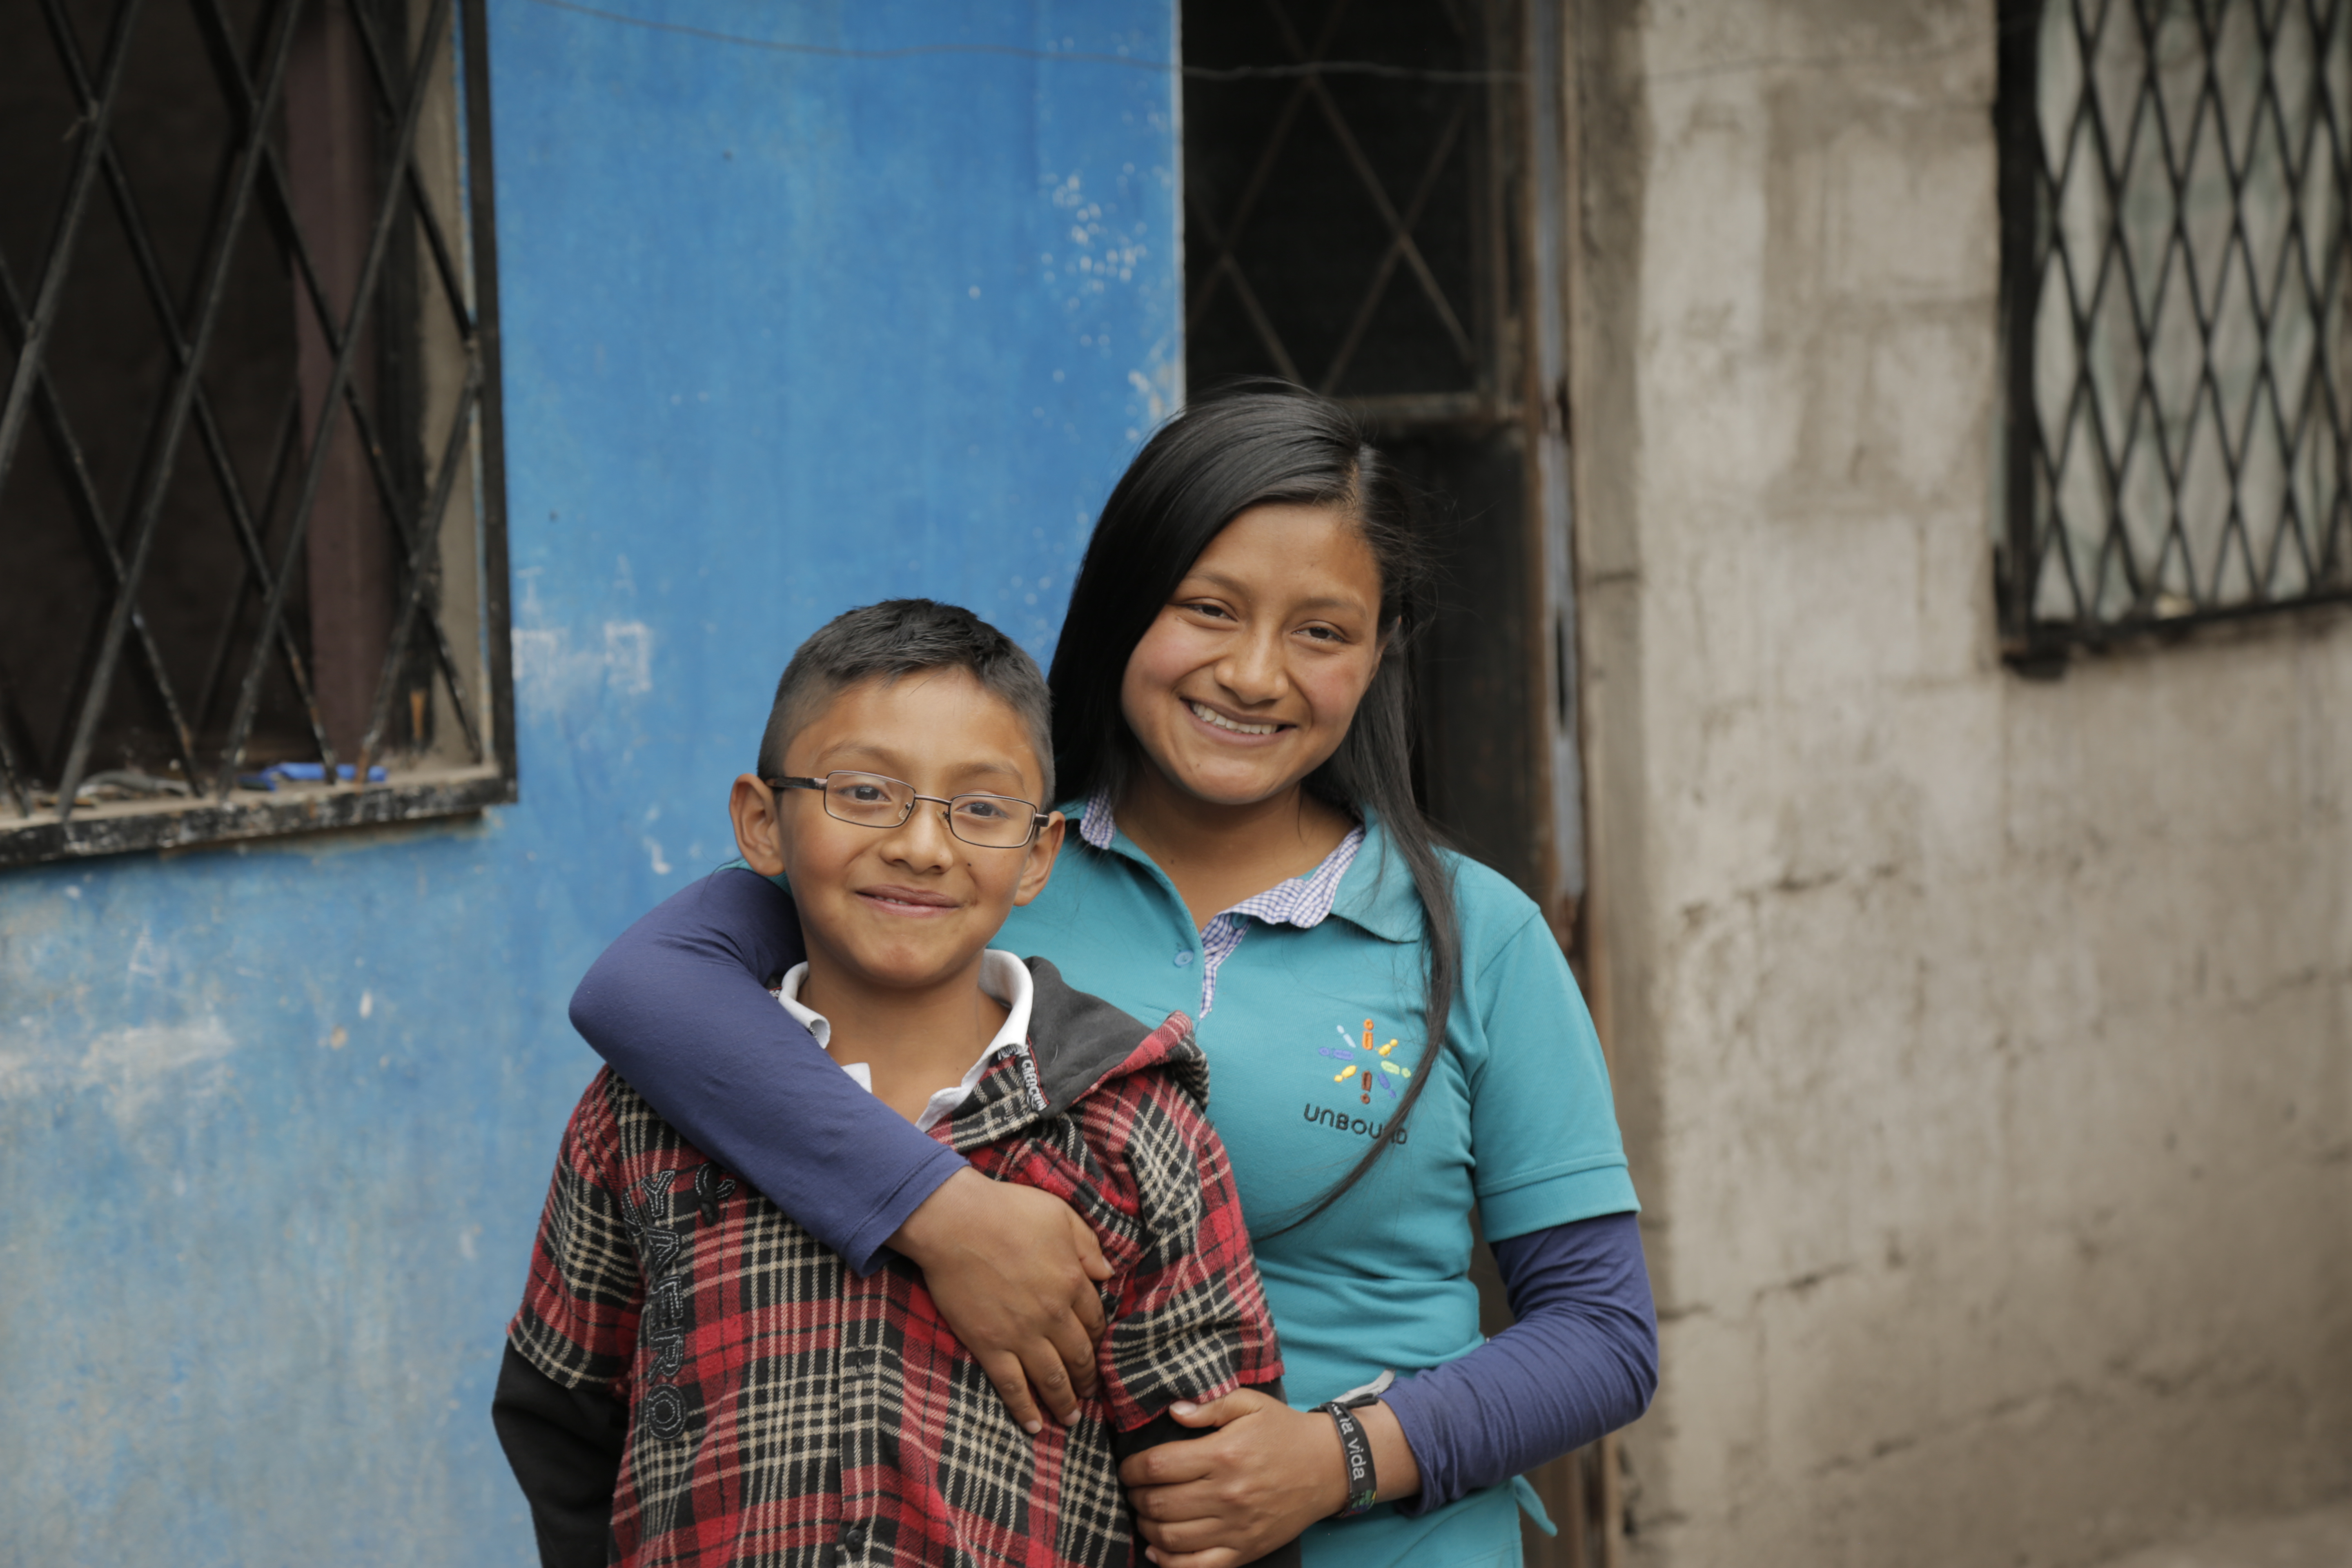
(2175, 177)
(1345, 186)
(251, 489)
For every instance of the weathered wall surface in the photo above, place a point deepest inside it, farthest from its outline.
(1986, 1045)
(784, 331)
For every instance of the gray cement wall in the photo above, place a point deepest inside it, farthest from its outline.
(1985, 1045)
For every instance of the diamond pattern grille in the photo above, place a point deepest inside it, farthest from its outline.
(246, 385)
(1340, 225)
(2175, 177)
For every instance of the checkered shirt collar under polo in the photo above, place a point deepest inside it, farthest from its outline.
(1303, 902)
(1095, 827)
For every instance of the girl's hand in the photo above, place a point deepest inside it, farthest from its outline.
(1265, 1474)
(1013, 1271)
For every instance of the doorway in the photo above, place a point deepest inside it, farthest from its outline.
(1371, 193)
(1374, 208)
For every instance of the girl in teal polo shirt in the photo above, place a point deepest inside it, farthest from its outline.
(1394, 1036)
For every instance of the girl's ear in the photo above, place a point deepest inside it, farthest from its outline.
(759, 836)
(1040, 863)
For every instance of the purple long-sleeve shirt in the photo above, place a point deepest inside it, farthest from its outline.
(679, 1005)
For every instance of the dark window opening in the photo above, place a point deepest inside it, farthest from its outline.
(1374, 195)
(2175, 176)
(1341, 229)
(1380, 230)
(250, 497)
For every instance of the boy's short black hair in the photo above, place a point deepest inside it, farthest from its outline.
(899, 637)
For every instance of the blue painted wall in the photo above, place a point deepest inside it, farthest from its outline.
(785, 331)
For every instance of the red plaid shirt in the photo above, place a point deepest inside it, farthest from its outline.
(782, 1410)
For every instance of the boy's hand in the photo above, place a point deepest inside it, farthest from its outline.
(1013, 1271)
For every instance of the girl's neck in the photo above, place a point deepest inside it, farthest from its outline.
(914, 1042)
(1218, 855)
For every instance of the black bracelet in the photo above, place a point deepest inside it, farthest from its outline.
(1356, 1449)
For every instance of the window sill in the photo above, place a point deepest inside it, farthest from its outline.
(124, 826)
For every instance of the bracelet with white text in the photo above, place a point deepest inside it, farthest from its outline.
(1356, 1449)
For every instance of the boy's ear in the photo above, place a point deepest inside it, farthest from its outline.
(759, 836)
(1040, 864)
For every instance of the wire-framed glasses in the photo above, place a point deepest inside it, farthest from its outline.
(870, 800)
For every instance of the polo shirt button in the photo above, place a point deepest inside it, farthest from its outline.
(1183, 957)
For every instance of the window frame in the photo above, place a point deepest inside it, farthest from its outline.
(2041, 645)
(68, 830)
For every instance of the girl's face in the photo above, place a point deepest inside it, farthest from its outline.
(1249, 678)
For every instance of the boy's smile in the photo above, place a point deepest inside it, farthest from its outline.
(913, 903)
(895, 919)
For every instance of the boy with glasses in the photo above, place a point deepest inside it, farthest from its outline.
(693, 1378)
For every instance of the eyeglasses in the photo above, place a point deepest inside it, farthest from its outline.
(869, 800)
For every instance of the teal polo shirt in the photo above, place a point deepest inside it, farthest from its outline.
(1516, 1117)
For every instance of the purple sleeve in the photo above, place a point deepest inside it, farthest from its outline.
(679, 1005)
(1581, 1360)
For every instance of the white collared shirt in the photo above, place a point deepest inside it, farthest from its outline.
(1001, 975)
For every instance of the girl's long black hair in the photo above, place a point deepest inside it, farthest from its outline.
(1253, 443)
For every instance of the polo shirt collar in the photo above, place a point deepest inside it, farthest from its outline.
(1376, 893)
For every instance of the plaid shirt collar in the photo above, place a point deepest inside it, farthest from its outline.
(1094, 1043)
(1013, 1095)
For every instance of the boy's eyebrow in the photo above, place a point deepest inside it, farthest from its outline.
(882, 759)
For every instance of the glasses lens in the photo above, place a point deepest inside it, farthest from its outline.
(992, 821)
(868, 799)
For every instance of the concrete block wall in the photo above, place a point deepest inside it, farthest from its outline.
(1985, 1043)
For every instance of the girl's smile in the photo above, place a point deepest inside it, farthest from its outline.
(1229, 726)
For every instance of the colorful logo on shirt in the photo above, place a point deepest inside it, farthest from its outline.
(1379, 1070)
(1367, 1064)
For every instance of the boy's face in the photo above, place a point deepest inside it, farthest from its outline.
(909, 906)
